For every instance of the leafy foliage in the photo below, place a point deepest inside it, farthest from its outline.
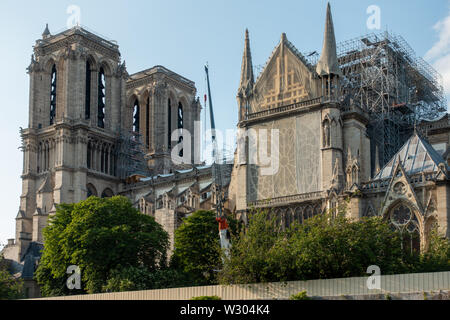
(300, 296)
(322, 247)
(437, 256)
(140, 278)
(10, 287)
(100, 236)
(206, 298)
(197, 247)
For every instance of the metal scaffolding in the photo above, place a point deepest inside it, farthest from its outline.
(383, 76)
(131, 156)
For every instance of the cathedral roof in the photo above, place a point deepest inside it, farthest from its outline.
(284, 42)
(31, 256)
(416, 156)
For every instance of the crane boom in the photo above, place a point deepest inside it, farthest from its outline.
(216, 170)
(224, 233)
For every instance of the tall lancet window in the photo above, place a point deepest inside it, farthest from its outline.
(136, 116)
(53, 96)
(180, 125)
(101, 98)
(147, 122)
(87, 110)
(169, 124)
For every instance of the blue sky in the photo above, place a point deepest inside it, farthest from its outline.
(182, 35)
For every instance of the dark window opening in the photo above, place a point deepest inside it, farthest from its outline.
(88, 91)
(169, 125)
(147, 123)
(101, 98)
(107, 193)
(89, 156)
(53, 96)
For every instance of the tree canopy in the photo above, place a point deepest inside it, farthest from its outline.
(197, 247)
(324, 247)
(102, 237)
(10, 287)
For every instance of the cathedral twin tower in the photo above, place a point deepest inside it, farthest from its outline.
(85, 113)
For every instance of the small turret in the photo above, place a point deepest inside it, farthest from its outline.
(328, 65)
(46, 32)
(328, 62)
(247, 78)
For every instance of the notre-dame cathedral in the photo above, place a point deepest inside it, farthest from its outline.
(364, 123)
(364, 126)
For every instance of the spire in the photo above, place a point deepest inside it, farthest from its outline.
(46, 32)
(328, 62)
(247, 78)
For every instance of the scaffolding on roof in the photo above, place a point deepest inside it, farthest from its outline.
(384, 77)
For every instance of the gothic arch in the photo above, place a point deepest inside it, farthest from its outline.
(91, 190)
(146, 107)
(92, 61)
(184, 101)
(106, 67)
(172, 95)
(404, 217)
(130, 109)
(326, 136)
(107, 193)
(48, 65)
(298, 214)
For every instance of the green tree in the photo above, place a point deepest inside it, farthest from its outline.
(100, 236)
(257, 253)
(197, 247)
(327, 247)
(140, 278)
(10, 287)
(322, 247)
(437, 256)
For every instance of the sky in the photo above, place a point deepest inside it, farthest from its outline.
(183, 35)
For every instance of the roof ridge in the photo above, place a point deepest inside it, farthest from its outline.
(293, 49)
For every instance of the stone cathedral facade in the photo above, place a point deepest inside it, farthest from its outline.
(325, 159)
(88, 117)
(95, 130)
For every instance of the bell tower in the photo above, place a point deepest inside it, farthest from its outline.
(76, 107)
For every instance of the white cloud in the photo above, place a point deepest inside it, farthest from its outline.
(439, 54)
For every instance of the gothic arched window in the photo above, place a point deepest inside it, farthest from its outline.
(101, 98)
(298, 214)
(87, 110)
(180, 125)
(91, 191)
(403, 219)
(147, 123)
(136, 116)
(169, 124)
(107, 193)
(89, 156)
(326, 133)
(53, 95)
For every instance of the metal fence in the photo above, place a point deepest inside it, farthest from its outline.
(402, 283)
